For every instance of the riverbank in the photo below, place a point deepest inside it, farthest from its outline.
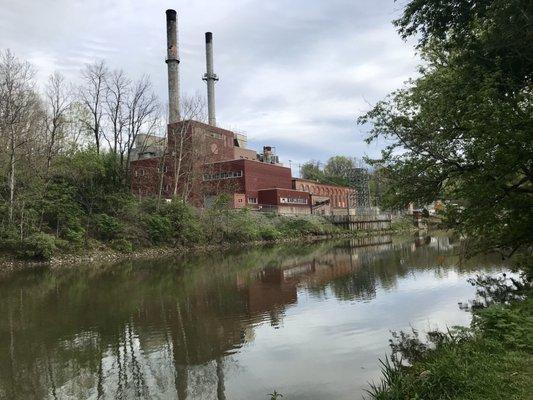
(148, 229)
(491, 359)
(106, 254)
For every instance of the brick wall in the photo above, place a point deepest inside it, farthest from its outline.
(284, 197)
(255, 176)
(338, 195)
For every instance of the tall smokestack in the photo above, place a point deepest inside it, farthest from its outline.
(210, 77)
(173, 63)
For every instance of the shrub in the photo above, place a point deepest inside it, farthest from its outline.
(269, 232)
(106, 227)
(122, 245)
(75, 236)
(235, 226)
(305, 225)
(159, 228)
(39, 246)
(222, 202)
(9, 239)
(186, 226)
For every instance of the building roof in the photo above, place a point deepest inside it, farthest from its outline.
(290, 190)
(193, 122)
(247, 160)
(321, 183)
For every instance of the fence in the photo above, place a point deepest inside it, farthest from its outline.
(367, 222)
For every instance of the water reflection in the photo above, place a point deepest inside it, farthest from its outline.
(188, 328)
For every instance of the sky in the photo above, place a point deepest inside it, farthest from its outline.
(294, 74)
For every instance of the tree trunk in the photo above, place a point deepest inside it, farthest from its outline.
(11, 181)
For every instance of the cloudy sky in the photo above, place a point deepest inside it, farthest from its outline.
(294, 74)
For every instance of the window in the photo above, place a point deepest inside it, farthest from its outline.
(293, 200)
(139, 172)
(223, 175)
(252, 200)
(164, 168)
(215, 135)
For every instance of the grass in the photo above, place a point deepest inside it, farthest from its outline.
(492, 359)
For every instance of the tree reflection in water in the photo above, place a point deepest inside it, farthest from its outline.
(168, 328)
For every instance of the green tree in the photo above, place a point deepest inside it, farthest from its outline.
(311, 170)
(462, 130)
(338, 168)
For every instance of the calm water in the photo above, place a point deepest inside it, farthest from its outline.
(309, 321)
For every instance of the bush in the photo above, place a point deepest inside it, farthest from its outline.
(75, 236)
(159, 228)
(39, 246)
(9, 239)
(106, 227)
(269, 232)
(305, 225)
(232, 226)
(184, 220)
(122, 245)
(402, 224)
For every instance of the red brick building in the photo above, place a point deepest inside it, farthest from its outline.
(190, 145)
(201, 161)
(325, 196)
(255, 184)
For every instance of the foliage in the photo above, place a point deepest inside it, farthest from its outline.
(311, 170)
(509, 325)
(305, 225)
(38, 246)
(461, 131)
(269, 232)
(159, 228)
(402, 224)
(9, 239)
(122, 245)
(336, 171)
(185, 224)
(490, 360)
(106, 227)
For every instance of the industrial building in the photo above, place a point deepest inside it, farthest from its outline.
(199, 161)
(327, 198)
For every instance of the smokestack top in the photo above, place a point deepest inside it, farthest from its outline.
(171, 15)
(208, 37)
(173, 67)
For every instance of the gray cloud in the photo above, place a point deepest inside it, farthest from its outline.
(293, 74)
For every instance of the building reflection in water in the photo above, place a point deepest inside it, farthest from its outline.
(169, 328)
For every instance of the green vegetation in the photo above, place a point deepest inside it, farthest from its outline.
(336, 171)
(84, 207)
(492, 359)
(65, 180)
(461, 131)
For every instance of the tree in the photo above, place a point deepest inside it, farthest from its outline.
(116, 98)
(461, 131)
(92, 95)
(19, 109)
(184, 150)
(338, 170)
(57, 103)
(143, 114)
(311, 170)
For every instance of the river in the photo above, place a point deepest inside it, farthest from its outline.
(309, 320)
